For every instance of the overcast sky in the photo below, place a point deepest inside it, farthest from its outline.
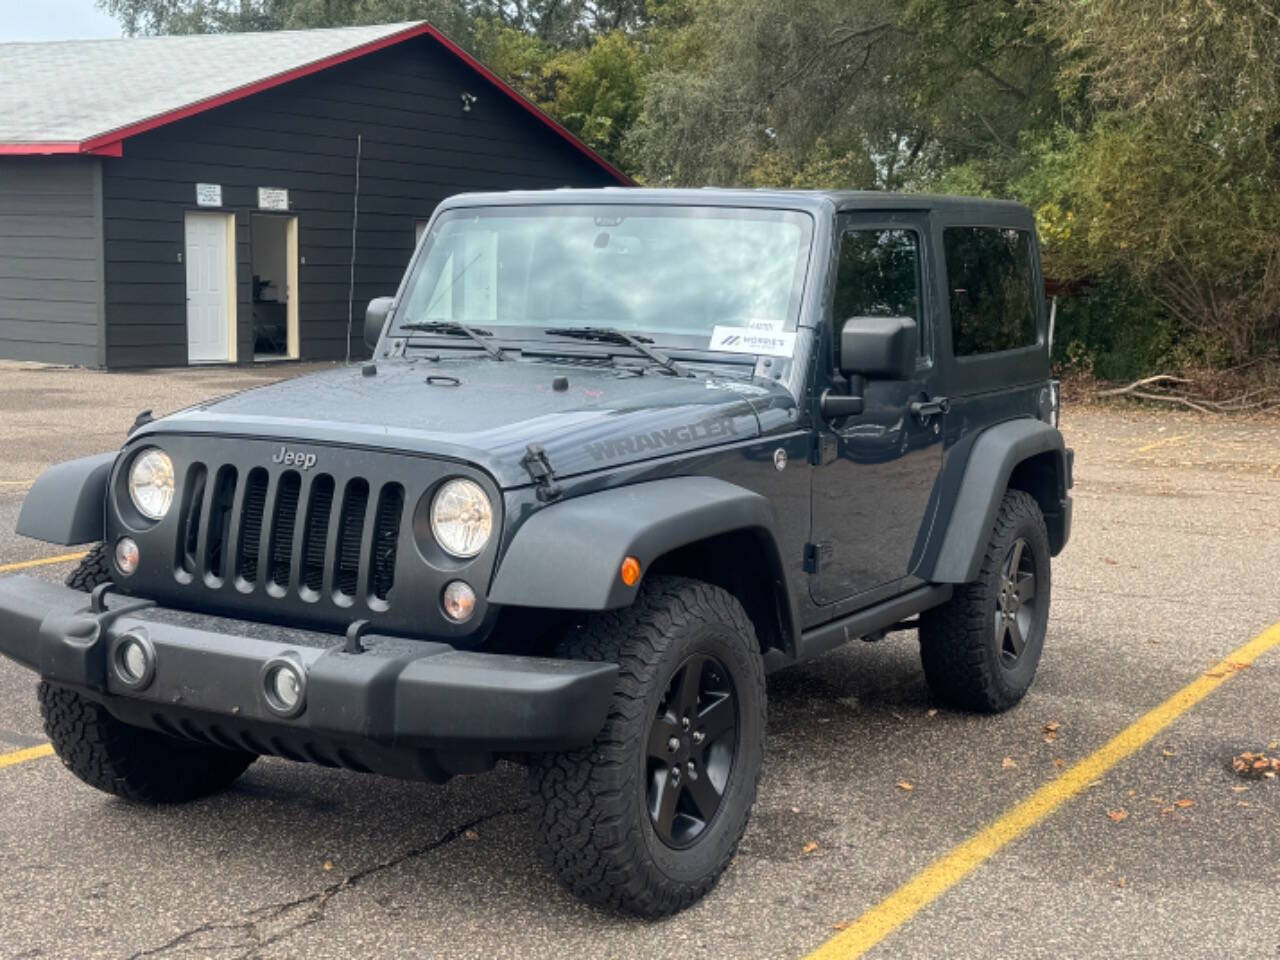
(54, 20)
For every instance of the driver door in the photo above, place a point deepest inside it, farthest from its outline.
(875, 471)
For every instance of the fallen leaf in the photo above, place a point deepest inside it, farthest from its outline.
(1109, 562)
(1133, 793)
(809, 848)
(1008, 763)
(328, 865)
(1052, 726)
(1059, 762)
(1183, 803)
(1239, 789)
(470, 835)
(1050, 737)
(1169, 753)
(1115, 816)
(906, 785)
(934, 713)
(795, 809)
(840, 926)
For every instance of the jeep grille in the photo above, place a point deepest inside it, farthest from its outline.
(291, 533)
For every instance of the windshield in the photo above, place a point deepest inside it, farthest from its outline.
(671, 273)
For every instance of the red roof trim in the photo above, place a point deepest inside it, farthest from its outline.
(22, 149)
(109, 144)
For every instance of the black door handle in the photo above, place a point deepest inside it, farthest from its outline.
(929, 408)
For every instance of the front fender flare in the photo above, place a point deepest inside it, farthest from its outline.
(995, 455)
(567, 555)
(67, 503)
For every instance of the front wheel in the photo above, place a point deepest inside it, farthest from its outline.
(980, 650)
(130, 762)
(647, 818)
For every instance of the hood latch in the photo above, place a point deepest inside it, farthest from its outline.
(540, 470)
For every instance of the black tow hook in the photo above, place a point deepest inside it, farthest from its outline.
(355, 633)
(71, 647)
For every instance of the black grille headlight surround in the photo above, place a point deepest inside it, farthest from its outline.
(151, 483)
(461, 518)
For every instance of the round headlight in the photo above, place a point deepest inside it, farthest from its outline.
(462, 518)
(151, 483)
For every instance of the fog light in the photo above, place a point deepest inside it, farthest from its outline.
(458, 601)
(126, 556)
(135, 661)
(284, 687)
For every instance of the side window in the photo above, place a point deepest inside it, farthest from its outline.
(992, 285)
(879, 276)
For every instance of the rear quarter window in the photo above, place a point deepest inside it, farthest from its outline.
(992, 289)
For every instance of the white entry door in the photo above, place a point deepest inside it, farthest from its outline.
(210, 288)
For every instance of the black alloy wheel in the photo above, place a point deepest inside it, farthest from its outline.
(981, 648)
(1015, 604)
(691, 749)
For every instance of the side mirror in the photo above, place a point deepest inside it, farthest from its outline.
(879, 348)
(871, 348)
(375, 318)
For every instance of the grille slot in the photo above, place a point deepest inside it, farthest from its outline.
(354, 504)
(284, 518)
(255, 505)
(315, 530)
(219, 523)
(189, 518)
(386, 534)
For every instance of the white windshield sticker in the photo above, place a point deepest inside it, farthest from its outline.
(774, 343)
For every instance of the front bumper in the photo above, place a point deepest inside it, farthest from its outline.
(407, 708)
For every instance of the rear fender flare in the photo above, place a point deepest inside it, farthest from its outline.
(995, 454)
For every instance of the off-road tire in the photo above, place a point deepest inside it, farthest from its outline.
(959, 648)
(93, 569)
(589, 804)
(130, 762)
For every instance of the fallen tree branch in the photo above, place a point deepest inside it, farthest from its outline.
(1144, 382)
(1167, 398)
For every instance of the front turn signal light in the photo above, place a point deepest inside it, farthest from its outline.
(630, 572)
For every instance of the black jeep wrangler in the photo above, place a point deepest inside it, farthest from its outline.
(619, 454)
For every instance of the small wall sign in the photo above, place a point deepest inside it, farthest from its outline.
(273, 198)
(208, 194)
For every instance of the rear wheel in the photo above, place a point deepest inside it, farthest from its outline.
(128, 761)
(980, 650)
(647, 818)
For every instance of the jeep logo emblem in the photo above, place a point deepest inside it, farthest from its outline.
(291, 458)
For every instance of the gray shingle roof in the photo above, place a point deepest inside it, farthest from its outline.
(77, 90)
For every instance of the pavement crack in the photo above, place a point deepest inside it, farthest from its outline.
(246, 938)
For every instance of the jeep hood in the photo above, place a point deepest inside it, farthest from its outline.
(487, 412)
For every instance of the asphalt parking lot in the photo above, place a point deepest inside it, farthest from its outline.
(1165, 852)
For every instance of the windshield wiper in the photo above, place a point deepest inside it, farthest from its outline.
(614, 335)
(451, 328)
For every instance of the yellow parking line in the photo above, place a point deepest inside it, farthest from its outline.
(943, 874)
(1166, 442)
(42, 562)
(22, 756)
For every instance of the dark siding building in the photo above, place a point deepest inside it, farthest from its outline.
(222, 230)
(51, 260)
